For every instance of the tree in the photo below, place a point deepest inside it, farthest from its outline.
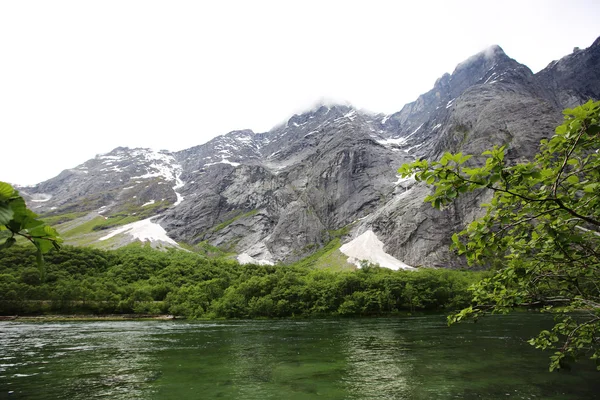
(540, 232)
(16, 220)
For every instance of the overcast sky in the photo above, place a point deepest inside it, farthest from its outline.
(79, 78)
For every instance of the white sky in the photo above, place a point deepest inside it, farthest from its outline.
(79, 78)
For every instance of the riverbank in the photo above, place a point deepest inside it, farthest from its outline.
(90, 317)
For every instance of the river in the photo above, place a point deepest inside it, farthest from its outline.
(381, 358)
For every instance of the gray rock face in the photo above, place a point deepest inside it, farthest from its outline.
(318, 172)
(276, 196)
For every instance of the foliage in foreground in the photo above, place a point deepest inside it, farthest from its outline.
(541, 231)
(16, 220)
(144, 280)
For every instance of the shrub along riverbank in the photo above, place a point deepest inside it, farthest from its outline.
(147, 281)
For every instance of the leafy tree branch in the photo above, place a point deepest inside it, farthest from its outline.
(17, 220)
(540, 231)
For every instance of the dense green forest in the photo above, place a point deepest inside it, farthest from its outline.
(138, 279)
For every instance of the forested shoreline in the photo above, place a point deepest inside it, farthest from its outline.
(142, 280)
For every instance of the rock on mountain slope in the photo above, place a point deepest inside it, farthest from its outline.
(282, 194)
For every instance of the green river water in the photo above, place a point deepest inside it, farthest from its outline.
(384, 358)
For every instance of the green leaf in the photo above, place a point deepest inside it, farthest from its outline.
(31, 223)
(20, 208)
(590, 188)
(43, 245)
(6, 213)
(463, 159)
(6, 191)
(455, 238)
(445, 158)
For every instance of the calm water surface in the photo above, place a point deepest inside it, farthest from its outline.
(387, 358)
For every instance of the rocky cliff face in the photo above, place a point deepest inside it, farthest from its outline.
(280, 195)
(276, 196)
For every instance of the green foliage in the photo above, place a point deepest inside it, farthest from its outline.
(83, 228)
(328, 256)
(103, 223)
(16, 220)
(139, 279)
(325, 257)
(207, 250)
(541, 231)
(54, 220)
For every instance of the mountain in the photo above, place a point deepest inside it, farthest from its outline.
(325, 176)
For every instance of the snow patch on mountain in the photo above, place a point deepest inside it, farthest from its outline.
(223, 161)
(369, 248)
(178, 185)
(113, 168)
(144, 230)
(161, 165)
(41, 198)
(245, 258)
(351, 115)
(107, 157)
(415, 131)
(390, 142)
(398, 141)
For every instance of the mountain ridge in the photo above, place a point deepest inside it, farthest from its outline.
(277, 196)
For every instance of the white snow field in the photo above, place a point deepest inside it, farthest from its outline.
(144, 230)
(369, 248)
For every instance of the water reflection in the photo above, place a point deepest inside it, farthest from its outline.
(378, 363)
(91, 360)
(289, 357)
(253, 362)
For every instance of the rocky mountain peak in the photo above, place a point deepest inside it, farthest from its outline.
(489, 65)
(572, 78)
(243, 133)
(421, 122)
(320, 113)
(488, 56)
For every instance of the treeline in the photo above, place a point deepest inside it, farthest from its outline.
(138, 279)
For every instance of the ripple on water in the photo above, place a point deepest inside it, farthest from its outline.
(396, 358)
